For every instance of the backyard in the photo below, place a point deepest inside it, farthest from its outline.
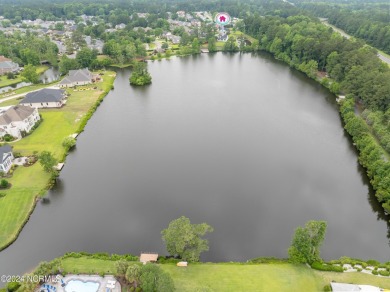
(30, 182)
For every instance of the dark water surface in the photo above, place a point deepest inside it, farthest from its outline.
(241, 142)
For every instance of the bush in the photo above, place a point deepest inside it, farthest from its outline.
(13, 286)
(267, 260)
(327, 288)
(384, 273)
(69, 142)
(4, 184)
(375, 272)
(373, 262)
(329, 268)
(8, 138)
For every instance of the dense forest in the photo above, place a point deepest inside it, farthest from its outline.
(368, 22)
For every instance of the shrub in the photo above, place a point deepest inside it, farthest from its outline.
(384, 273)
(267, 260)
(8, 138)
(327, 288)
(375, 272)
(329, 268)
(373, 262)
(4, 183)
(13, 286)
(69, 142)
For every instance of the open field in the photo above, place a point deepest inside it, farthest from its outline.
(30, 182)
(237, 276)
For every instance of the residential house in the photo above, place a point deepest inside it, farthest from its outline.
(6, 158)
(45, 98)
(6, 66)
(17, 119)
(77, 77)
(173, 38)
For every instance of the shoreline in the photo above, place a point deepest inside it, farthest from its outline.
(83, 122)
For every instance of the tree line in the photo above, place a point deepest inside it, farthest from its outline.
(368, 23)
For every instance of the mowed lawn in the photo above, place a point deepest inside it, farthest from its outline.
(236, 276)
(241, 277)
(29, 182)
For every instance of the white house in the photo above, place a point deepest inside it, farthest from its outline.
(6, 158)
(77, 77)
(17, 119)
(45, 98)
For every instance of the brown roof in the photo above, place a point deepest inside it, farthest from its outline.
(15, 114)
(148, 257)
(4, 59)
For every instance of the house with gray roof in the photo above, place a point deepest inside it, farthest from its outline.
(45, 98)
(18, 119)
(6, 66)
(77, 77)
(6, 158)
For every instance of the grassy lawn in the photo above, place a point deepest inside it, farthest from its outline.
(355, 278)
(4, 81)
(29, 182)
(238, 33)
(240, 277)
(237, 277)
(88, 266)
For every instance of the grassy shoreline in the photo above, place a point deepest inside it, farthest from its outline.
(30, 183)
(274, 275)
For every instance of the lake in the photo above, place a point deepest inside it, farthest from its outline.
(240, 141)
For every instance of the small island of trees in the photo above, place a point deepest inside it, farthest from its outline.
(140, 75)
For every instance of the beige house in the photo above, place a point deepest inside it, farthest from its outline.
(17, 119)
(77, 77)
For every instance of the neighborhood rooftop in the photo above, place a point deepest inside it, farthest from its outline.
(82, 75)
(16, 113)
(44, 95)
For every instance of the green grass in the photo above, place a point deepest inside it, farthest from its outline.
(29, 182)
(88, 266)
(355, 278)
(4, 81)
(241, 277)
(237, 276)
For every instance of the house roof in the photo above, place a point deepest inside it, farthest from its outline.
(5, 151)
(16, 113)
(44, 95)
(148, 257)
(8, 64)
(81, 75)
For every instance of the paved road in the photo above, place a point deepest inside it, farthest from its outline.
(344, 34)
